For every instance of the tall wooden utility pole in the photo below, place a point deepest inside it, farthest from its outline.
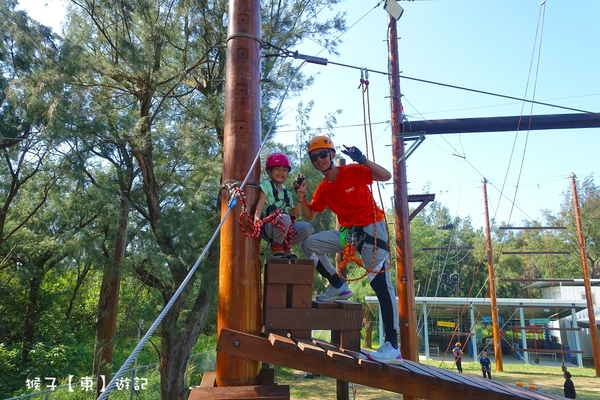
(406, 286)
(239, 268)
(488, 246)
(586, 281)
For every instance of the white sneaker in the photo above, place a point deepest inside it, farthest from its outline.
(387, 354)
(343, 293)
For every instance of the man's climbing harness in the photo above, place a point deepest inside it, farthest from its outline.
(356, 235)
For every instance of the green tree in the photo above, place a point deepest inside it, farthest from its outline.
(153, 78)
(588, 194)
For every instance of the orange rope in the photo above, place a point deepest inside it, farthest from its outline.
(348, 256)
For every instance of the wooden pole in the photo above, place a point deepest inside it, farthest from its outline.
(406, 286)
(488, 245)
(586, 281)
(239, 267)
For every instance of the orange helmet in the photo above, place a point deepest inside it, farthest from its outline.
(320, 142)
(458, 344)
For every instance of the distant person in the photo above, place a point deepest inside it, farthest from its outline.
(486, 365)
(345, 191)
(275, 198)
(457, 351)
(569, 387)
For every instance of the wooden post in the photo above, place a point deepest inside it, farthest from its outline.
(586, 280)
(406, 290)
(239, 269)
(488, 245)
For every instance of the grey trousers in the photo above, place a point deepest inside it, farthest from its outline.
(274, 234)
(317, 246)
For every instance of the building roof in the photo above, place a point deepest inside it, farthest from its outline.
(544, 283)
(454, 307)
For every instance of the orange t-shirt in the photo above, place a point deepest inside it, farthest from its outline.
(349, 197)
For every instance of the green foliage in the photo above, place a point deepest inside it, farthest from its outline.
(129, 108)
(10, 369)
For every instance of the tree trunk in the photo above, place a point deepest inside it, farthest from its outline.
(31, 318)
(176, 348)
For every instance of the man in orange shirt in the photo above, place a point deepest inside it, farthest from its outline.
(345, 190)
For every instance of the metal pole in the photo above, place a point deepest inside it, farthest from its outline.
(488, 245)
(577, 343)
(474, 348)
(586, 281)
(523, 336)
(426, 332)
(239, 267)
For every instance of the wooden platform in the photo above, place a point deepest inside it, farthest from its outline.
(410, 378)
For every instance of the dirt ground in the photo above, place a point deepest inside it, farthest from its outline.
(546, 379)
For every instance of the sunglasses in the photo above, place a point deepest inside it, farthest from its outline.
(322, 154)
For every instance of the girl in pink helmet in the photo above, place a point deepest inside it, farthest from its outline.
(284, 231)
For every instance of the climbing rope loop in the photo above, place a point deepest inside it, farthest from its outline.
(246, 220)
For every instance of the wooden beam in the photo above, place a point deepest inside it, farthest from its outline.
(424, 199)
(409, 378)
(532, 227)
(500, 124)
(456, 248)
(276, 392)
(537, 252)
(540, 328)
(312, 318)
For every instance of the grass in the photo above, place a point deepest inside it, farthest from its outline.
(545, 379)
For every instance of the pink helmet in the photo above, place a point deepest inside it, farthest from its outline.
(277, 160)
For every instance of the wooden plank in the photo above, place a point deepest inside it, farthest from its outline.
(346, 339)
(465, 380)
(392, 378)
(281, 341)
(275, 392)
(292, 274)
(277, 260)
(266, 376)
(362, 360)
(299, 296)
(334, 352)
(348, 305)
(303, 261)
(324, 305)
(417, 368)
(208, 379)
(311, 318)
(275, 296)
(300, 333)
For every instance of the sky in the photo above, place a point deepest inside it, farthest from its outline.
(520, 48)
(543, 51)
